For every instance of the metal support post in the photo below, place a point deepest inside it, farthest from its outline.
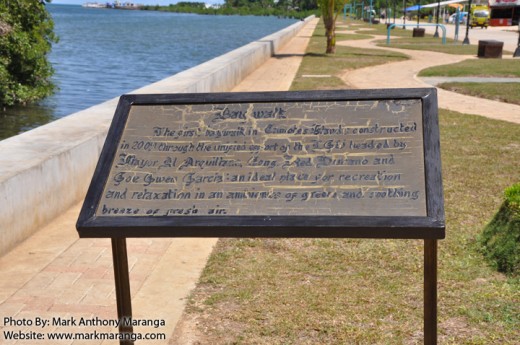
(430, 292)
(123, 297)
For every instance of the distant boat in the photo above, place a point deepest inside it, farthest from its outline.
(125, 6)
(115, 5)
(94, 5)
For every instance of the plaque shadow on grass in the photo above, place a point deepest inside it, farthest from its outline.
(284, 56)
(281, 56)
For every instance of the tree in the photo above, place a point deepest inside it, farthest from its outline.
(329, 12)
(26, 35)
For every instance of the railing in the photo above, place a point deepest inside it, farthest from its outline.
(438, 25)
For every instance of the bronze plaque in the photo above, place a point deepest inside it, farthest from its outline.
(289, 157)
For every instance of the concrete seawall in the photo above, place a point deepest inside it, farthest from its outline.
(46, 170)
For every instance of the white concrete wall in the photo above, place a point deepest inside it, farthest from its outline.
(46, 170)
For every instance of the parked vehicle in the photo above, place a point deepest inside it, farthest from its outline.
(463, 16)
(479, 16)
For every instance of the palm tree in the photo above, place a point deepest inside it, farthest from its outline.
(329, 12)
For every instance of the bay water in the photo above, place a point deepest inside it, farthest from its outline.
(103, 53)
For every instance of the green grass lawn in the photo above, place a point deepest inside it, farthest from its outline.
(402, 39)
(431, 44)
(375, 29)
(350, 291)
(359, 291)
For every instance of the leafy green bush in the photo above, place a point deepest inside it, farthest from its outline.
(26, 35)
(500, 239)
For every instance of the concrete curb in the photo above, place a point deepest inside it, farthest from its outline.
(47, 170)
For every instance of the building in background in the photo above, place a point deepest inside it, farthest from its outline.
(504, 12)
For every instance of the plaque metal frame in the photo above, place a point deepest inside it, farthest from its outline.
(313, 226)
(118, 228)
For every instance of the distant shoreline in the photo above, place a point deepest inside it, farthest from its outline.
(202, 9)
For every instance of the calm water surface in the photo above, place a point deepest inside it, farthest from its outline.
(104, 53)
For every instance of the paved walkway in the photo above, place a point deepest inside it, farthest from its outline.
(54, 274)
(403, 74)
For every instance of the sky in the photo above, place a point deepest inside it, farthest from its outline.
(143, 2)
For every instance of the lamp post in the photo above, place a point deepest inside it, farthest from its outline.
(517, 51)
(404, 14)
(387, 20)
(394, 9)
(466, 39)
(436, 34)
(418, 11)
(370, 17)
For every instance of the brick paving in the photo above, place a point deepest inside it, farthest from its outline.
(54, 274)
